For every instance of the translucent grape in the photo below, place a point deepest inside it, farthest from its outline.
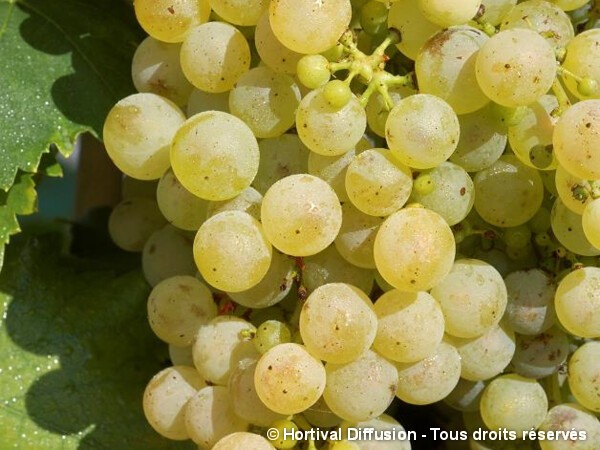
(371, 379)
(271, 51)
(584, 366)
(313, 71)
(243, 441)
(495, 10)
(214, 56)
(431, 379)
(308, 27)
(181, 356)
(200, 101)
(249, 201)
(373, 17)
(155, 68)
(137, 134)
(530, 308)
(513, 402)
(165, 397)
(377, 183)
(167, 253)
(356, 238)
(415, 29)
(446, 13)
(422, 131)
(577, 301)
(576, 138)
(312, 211)
(567, 417)
(215, 155)
(542, 355)
(320, 415)
(508, 193)
(132, 222)
(220, 345)
(568, 230)
(528, 67)
(280, 157)
(466, 395)
(590, 221)
(232, 252)
(582, 60)
(337, 93)
(131, 187)
(473, 298)
(209, 416)
(177, 307)
(414, 249)
(266, 101)
(565, 183)
(445, 67)
(170, 20)
(240, 12)
(410, 325)
(271, 333)
(288, 379)
(327, 130)
(337, 323)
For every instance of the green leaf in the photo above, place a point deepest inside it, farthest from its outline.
(63, 64)
(76, 354)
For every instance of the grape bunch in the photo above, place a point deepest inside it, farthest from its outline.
(343, 202)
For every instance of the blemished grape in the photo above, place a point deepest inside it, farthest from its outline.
(542, 355)
(171, 20)
(565, 183)
(567, 417)
(577, 301)
(583, 375)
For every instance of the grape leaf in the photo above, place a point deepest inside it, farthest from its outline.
(63, 64)
(76, 355)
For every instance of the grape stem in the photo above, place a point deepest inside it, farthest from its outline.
(563, 100)
(586, 190)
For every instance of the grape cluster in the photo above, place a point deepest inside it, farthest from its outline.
(342, 202)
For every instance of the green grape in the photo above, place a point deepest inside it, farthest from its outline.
(514, 403)
(167, 253)
(495, 10)
(240, 12)
(337, 323)
(215, 155)
(171, 20)
(445, 67)
(406, 17)
(378, 110)
(449, 192)
(508, 193)
(528, 67)
(543, 17)
(283, 427)
(181, 356)
(566, 418)
(246, 403)
(587, 87)
(577, 300)
(482, 140)
(378, 184)
(200, 101)
(430, 380)
(320, 415)
(165, 397)
(288, 379)
(530, 307)
(590, 220)
(132, 222)
(131, 187)
(583, 375)
(466, 395)
(243, 441)
(214, 56)
(582, 60)
(272, 288)
(410, 325)
(414, 249)
(137, 134)
(327, 130)
(568, 230)
(373, 17)
(272, 52)
(531, 138)
(232, 251)
(308, 27)
(328, 266)
(473, 298)
(312, 211)
(486, 356)
(177, 307)
(179, 206)
(446, 13)
(209, 416)
(356, 237)
(576, 139)
(422, 131)
(569, 5)
(565, 184)
(541, 355)
(280, 157)
(271, 333)
(371, 379)
(333, 169)
(249, 201)
(155, 68)
(540, 223)
(313, 71)
(517, 237)
(220, 346)
(337, 93)
(266, 101)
